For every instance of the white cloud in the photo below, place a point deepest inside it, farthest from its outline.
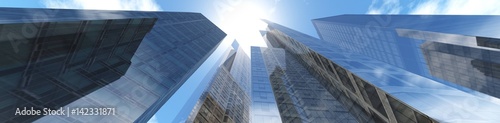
(384, 7)
(463, 7)
(467, 7)
(141, 5)
(153, 119)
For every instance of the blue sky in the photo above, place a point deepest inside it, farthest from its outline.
(239, 18)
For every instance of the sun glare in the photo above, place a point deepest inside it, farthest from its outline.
(245, 18)
(244, 23)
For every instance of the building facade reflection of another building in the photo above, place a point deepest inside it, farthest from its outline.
(309, 87)
(226, 100)
(454, 58)
(472, 67)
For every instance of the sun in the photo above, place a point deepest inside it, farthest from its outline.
(245, 18)
(244, 22)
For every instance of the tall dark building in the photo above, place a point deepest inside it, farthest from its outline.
(367, 88)
(126, 60)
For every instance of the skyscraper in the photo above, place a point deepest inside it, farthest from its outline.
(365, 68)
(298, 94)
(129, 61)
(456, 48)
(226, 99)
(310, 86)
(369, 89)
(264, 105)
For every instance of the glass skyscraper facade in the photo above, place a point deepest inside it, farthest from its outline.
(364, 68)
(264, 106)
(432, 46)
(226, 100)
(472, 70)
(326, 90)
(298, 94)
(375, 73)
(372, 37)
(127, 60)
(440, 61)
